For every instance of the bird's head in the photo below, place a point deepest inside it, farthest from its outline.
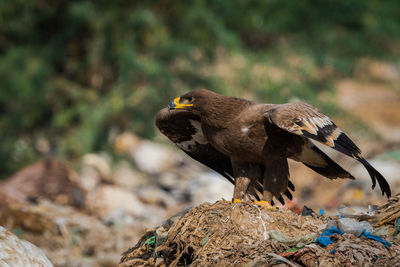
(193, 101)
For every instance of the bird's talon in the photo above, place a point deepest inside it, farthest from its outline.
(236, 200)
(265, 204)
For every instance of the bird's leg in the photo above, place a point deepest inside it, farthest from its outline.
(275, 180)
(241, 185)
(267, 196)
(244, 173)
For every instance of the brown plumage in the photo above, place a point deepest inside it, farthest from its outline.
(249, 143)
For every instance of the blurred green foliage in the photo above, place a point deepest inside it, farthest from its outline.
(73, 71)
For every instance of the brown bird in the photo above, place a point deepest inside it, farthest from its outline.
(249, 143)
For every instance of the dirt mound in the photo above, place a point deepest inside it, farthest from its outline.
(243, 234)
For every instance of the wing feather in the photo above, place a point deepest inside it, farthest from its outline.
(306, 120)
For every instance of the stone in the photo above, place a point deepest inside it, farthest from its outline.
(210, 187)
(124, 175)
(109, 198)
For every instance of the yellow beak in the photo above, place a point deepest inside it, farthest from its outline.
(176, 105)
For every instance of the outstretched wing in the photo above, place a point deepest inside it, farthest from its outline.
(305, 120)
(184, 129)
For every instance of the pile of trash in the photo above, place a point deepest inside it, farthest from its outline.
(244, 234)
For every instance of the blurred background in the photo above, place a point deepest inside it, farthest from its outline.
(81, 83)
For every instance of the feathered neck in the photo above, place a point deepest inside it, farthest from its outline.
(220, 110)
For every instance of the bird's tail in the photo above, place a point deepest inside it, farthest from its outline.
(376, 176)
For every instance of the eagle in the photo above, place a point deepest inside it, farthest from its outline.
(249, 143)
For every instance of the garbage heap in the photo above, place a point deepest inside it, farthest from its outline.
(244, 234)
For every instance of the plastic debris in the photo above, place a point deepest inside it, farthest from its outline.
(151, 240)
(307, 211)
(321, 212)
(397, 228)
(356, 212)
(324, 240)
(280, 258)
(381, 231)
(290, 250)
(205, 239)
(352, 226)
(298, 241)
(376, 238)
(331, 223)
(331, 231)
(294, 252)
(372, 209)
(304, 255)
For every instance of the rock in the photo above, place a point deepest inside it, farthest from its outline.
(17, 252)
(124, 175)
(210, 187)
(154, 158)
(89, 178)
(197, 187)
(150, 157)
(66, 235)
(94, 170)
(99, 162)
(171, 181)
(352, 226)
(51, 179)
(109, 198)
(156, 196)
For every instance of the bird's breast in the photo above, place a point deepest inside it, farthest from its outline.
(239, 140)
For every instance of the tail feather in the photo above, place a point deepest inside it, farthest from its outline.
(330, 169)
(376, 176)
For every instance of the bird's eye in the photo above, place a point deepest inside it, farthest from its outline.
(189, 99)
